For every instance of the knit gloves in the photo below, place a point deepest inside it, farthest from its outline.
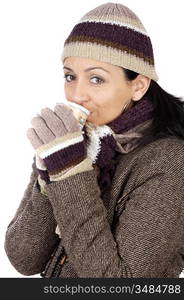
(58, 141)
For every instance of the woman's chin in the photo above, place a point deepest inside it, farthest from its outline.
(94, 120)
(90, 117)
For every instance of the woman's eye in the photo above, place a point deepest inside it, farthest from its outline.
(99, 80)
(66, 76)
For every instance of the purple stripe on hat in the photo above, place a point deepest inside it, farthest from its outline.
(136, 115)
(117, 35)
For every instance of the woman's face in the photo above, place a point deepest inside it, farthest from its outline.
(100, 87)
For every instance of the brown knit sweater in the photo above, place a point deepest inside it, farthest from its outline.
(135, 229)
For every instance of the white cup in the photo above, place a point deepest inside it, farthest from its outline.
(79, 112)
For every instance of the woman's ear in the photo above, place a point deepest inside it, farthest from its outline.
(140, 86)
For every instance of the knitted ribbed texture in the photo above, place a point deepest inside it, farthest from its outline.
(58, 141)
(112, 33)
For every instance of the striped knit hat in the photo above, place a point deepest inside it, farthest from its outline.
(112, 33)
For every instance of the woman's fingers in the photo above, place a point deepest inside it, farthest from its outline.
(49, 125)
(53, 122)
(34, 138)
(42, 130)
(66, 115)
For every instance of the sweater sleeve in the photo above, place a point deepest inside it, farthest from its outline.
(147, 234)
(30, 236)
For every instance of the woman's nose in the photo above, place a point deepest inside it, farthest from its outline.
(80, 94)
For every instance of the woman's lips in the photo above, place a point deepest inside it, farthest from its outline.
(90, 110)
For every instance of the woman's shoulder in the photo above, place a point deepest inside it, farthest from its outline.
(162, 159)
(158, 154)
(162, 153)
(166, 146)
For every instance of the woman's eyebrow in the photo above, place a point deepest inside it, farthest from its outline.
(88, 69)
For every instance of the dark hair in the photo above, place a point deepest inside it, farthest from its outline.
(168, 115)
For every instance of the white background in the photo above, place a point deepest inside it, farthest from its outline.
(32, 34)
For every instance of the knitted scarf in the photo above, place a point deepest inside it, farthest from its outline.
(122, 135)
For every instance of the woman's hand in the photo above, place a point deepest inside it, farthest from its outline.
(58, 140)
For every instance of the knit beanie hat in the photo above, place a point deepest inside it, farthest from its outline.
(112, 33)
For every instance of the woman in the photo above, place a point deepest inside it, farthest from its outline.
(105, 201)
